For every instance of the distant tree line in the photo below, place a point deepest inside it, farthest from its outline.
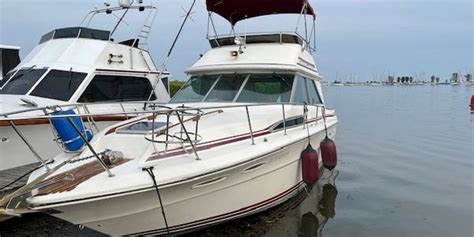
(175, 86)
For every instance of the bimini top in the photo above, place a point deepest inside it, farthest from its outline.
(235, 11)
(76, 32)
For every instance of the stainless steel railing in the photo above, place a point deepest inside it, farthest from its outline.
(153, 110)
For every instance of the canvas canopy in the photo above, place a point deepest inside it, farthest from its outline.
(236, 10)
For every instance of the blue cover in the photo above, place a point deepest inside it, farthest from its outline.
(66, 132)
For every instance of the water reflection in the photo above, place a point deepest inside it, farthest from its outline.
(312, 222)
(303, 215)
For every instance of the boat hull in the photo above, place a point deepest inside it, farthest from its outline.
(237, 191)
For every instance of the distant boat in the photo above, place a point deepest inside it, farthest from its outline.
(337, 83)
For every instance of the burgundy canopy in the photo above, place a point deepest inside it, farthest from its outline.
(236, 10)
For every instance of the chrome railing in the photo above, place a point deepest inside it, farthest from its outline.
(151, 112)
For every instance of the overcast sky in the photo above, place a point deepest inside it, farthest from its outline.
(356, 39)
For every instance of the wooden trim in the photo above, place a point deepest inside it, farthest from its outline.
(69, 180)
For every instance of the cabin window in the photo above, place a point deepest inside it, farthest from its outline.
(6, 77)
(94, 34)
(46, 37)
(72, 32)
(195, 89)
(226, 88)
(117, 88)
(299, 93)
(313, 94)
(22, 82)
(267, 88)
(59, 85)
(166, 83)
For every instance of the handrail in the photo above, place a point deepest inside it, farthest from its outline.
(180, 112)
(256, 33)
(152, 106)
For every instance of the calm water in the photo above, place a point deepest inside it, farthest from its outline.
(406, 165)
(405, 169)
(407, 161)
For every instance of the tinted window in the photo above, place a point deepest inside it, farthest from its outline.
(312, 92)
(117, 88)
(165, 82)
(300, 91)
(226, 88)
(6, 77)
(267, 88)
(59, 85)
(67, 33)
(46, 37)
(195, 89)
(94, 34)
(22, 82)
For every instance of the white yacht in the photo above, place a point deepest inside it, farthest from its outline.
(80, 66)
(234, 141)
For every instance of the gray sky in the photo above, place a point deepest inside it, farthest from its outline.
(356, 39)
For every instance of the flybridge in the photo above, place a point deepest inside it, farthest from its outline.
(236, 11)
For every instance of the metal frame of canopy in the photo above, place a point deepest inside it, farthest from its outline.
(284, 7)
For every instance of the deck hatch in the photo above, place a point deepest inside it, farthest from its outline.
(140, 128)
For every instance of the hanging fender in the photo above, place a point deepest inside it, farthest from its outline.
(309, 165)
(328, 153)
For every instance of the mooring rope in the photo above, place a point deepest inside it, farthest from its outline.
(149, 170)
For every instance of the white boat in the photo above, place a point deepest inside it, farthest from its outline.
(228, 144)
(83, 67)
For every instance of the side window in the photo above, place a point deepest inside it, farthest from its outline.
(313, 92)
(117, 88)
(165, 82)
(299, 95)
(59, 85)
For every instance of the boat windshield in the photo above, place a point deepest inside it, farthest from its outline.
(6, 77)
(23, 81)
(59, 85)
(253, 88)
(195, 89)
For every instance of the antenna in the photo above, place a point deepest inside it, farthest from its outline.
(163, 65)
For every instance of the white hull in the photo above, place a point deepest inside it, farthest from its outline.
(189, 207)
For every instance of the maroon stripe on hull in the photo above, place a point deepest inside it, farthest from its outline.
(226, 216)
